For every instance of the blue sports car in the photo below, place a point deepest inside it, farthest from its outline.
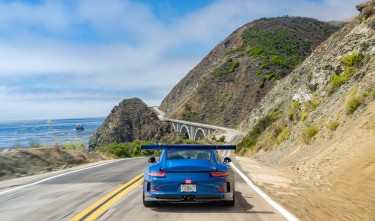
(188, 173)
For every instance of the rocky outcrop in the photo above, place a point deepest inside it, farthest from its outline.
(366, 9)
(234, 77)
(131, 120)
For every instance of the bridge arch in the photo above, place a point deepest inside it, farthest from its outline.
(199, 134)
(185, 131)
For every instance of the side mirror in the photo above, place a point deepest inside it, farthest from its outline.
(227, 160)
(152, 160)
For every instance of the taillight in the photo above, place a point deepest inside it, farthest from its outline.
(219, 174)
(157, 174)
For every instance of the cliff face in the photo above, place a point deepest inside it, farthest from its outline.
(233, 78)
(130, 120)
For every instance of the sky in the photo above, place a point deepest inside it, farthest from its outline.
(80, 58)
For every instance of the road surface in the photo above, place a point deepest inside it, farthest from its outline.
(110, 192)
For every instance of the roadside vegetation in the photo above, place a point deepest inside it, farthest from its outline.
(351, 62)
(256, 131)
(133, 149)
(277, 46)
(189, 114)
(21, 162)
(308, 133)
(277, 126)
(226, 69)
(332, 125)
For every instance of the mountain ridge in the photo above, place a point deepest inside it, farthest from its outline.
(243, 68)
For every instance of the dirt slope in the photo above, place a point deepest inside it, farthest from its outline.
(333, 179)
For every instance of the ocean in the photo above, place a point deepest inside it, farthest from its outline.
(24, 134)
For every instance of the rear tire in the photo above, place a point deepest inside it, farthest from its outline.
(149, 203)
(230, 203)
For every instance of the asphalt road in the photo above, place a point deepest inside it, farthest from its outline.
(65, 197)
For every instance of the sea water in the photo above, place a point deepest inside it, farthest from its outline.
(24, 134)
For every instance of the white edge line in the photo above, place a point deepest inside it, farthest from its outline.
(279, 208)
(53, 177)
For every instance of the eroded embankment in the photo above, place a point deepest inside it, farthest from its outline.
(25, 162)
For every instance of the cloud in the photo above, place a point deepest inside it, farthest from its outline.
(103, 51)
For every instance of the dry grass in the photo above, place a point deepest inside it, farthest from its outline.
(23, 162)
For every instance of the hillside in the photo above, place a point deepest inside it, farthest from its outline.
(233, 78)
(131, 120)
(318, 124)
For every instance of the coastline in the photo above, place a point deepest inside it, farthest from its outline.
(56, 132)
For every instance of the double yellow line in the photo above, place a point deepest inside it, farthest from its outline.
(99, 207)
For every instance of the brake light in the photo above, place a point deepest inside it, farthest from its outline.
(157, 174)
(219, 174)
(188, 181)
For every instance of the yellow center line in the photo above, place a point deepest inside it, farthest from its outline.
(100, 206)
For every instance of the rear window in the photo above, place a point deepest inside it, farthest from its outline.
(188, 154)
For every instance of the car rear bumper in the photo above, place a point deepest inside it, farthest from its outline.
(187, 197)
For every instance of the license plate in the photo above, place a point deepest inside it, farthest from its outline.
(188, 188)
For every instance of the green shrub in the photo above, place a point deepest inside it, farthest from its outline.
(222, 139)
(293, 110)
(259, 72)
(271, 76)
(291, 114)
(234, 50)
(124, 150)
(187, 107)
(278, 61)
(338, 80)
(256, 52)
(308, 133)
(74, 145)
(309, 75)
(228, 67)
(234, 66)
(351, 60)
(304, 116)
(332, 125)
(353, 103)
(251, 138)
(264, 66)
(283, 135)
(310, 105)
(248, 50)
(314, 101)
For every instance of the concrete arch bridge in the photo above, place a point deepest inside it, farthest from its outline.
(194, 131)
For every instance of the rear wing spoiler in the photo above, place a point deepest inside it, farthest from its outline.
(187, 146)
